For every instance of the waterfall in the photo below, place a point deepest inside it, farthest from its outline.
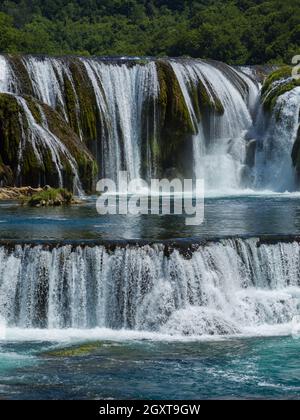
(126, 95)
(47, 77)
(4, 75)
(116, 108)
(122, 92)
(220, 144)
(228, 287)
(41, 139)
(276, 137)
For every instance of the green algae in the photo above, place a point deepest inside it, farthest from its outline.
(76, 350)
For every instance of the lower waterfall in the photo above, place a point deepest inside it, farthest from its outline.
(228, 287)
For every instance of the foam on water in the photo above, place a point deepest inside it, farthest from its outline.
(223, 288)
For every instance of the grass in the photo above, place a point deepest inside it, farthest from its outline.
(52, 196)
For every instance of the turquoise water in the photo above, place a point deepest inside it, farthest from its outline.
(227, 216)
(131, 365)
(248, 368)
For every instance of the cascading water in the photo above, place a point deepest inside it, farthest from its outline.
(227, 287)
(40, 138)
(47, 77)
(220, 147)
(121, 94)
(276, 137)
(128, 128)
(4, 75)
(114, 107)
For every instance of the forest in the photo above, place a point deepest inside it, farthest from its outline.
(234, 31)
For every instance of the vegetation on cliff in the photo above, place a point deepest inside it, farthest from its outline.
(175, 122)
(278, 83)
(26, 157)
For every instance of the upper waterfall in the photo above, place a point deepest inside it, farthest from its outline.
(219, 142)
(148, 117)
(153, 117)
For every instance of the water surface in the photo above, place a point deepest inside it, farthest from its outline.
(253, 368)
(224, 216)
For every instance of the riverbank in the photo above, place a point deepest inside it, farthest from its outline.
(18, 193)
(38, 197)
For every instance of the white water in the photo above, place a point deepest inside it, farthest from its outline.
(233, 287)
(4, 75)
(274, 168)
(125, 95)
(41, 139)
(121, 93)
(46, 76)
(220, 149)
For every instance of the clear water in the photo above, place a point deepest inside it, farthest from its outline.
(253, 368)
(131, 364)
(228, 216)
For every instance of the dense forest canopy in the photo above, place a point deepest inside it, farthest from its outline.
(235, 31)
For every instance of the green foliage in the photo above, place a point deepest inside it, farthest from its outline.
(282, 73)
(278, 83)
(51, 196)
(235, 31)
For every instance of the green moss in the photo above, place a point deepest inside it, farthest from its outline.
(51, 197)
(10, 130)
(71, 105)
(6, 175)
(35, 172)
(75, 351)
(271, 92)
(34, 109)
(281, 73)
(142, 61)
(87, 166)
(21, 73)
(205, 101)
(88, 110)
(176, 125)
(31, 168)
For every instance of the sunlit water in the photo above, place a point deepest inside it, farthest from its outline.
(131, 364)
(244, 215)
(136, 369)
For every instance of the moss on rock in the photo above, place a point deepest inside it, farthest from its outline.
(21, 74)
(51, 197)
(175, 124)
(20, 165)
(205, 100)
(82, 95)
(278, 83)
(87, 166)
(10, 131)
